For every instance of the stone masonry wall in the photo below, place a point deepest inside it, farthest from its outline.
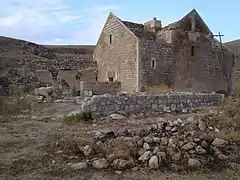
(116, 55)
(98, 88)
(107, 104)
(164, 64)
(200, 70)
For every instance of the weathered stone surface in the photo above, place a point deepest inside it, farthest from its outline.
(176, 157)
(117, 116)
(140, 142)
(222, 157)
(235, 166)
(146, 146)
(188, 146)
(200, 150)
(153, 162)
(111, 157)
(194, 163)
(202, 126)
(148, 139)
(100, 163)
(164, 141)
(161, 156)
(156, 140)
(141, 151)
(87, 150)
(147, 155)
(79, 165)
(220, 143)
(121, 163)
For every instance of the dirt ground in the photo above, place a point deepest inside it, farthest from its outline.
(23, 156)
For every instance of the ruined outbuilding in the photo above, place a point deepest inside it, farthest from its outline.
(183, 55)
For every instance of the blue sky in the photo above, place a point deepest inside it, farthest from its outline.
(80, 22)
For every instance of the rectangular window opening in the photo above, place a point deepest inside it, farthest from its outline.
(192, 50)
(153, 63)
(110, 39)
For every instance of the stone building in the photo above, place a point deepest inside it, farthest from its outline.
(183, 55)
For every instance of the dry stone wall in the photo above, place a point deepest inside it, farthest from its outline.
(107, 104)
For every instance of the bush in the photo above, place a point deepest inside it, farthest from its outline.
(82, 117)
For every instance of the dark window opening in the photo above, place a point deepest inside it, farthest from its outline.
(110, 39)
(192, 50)
(153, 64)
(96, 78)
(110, 79)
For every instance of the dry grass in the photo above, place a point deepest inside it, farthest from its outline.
(238, 83)
(14, 105)
(226, 119)
(162, 88)
(82, 117)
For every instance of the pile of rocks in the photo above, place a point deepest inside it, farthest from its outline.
(177, 145)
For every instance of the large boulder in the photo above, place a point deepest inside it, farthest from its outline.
(46, 92)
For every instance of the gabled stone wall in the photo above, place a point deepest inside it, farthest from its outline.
(116, 55)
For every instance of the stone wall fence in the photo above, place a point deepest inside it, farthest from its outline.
(108, 104)
(97, 88)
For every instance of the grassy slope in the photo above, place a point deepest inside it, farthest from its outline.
(13, 50)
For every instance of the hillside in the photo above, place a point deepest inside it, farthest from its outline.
(234, 46)
(15, 52)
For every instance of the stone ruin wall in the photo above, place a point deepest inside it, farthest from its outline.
(88, 88)
(45, 77)
(69, 77)
(107, 104)
(201, 71)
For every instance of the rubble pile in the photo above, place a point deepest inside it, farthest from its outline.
(180, 144)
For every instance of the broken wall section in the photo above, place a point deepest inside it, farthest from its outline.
(98, 88)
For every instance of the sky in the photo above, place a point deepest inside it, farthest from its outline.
(81, 21)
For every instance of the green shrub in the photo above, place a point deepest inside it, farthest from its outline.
(82, 117)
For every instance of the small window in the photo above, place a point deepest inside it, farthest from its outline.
(110, 79)
(110, 39)
(153, 63)
(96, 78)
(192, 50)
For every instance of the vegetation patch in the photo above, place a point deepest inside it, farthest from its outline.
(81, 117)
(14, 105)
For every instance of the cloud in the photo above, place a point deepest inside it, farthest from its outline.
(52, 21)
(28, 19)
(96, 22)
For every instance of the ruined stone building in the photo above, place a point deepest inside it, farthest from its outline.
(183, 55)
